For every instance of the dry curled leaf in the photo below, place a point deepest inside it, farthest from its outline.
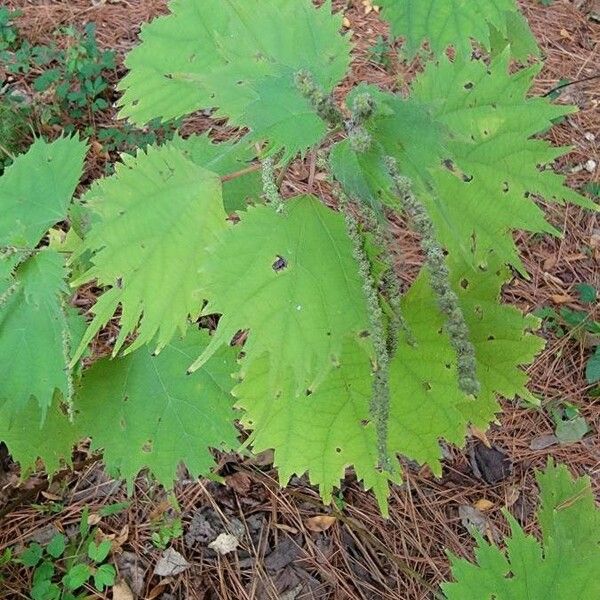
(320, 523)
(483, 505)
(121, 591)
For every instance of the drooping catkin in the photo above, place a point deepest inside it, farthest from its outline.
(270, 189)
(322, 103)
(435, 262)
(380, 396)
(66, 348)
(391, 289)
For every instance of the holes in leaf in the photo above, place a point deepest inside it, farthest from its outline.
(280, 264)
(147, 447)
(364, 334)
(490, 338)
(427, 386)
(448, 366)
(467, 178)
(505, 187)
(449, 164)
(478, 310)
(469, 85)
(338, 450)
(464, 283)
(168, 75)
(309, 392)
(364, 422)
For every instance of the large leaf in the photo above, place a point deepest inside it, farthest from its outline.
(28, 439)
(564, 565)
(456, 23)
(225, 158)
(156, 216)
(290, 278)
(331, 428)
(465, 138)
(147, 413)
(241, 57)
(35, 191)
(35, 335)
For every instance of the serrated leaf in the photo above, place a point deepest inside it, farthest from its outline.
(157, 215)
(465, 138)
(240, 57)
(331, 429)
(564, 565)
(442, 23)
(592, 368)
(154, 415)
(35, 191)
(35, 335)
(290, 279)
(225, 158)
(322, 433)
(28, 440)
(57, 545)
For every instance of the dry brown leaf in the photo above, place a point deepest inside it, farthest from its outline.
(511, 496)
(287, 528)
(320, 523)
(562, 298)
(49, 496)
(483, 505)
(480, 435)
(94, 519)
(346, 22)
(239, 482)
(121, 591)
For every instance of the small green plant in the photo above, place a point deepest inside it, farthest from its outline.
(165, 531)
(579, 325)
(14, 128)
(65, 565)
(72, 73)
(380, 52)
(8, 32)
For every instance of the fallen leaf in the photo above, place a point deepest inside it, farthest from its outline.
(480, 435)
(171, 563)
(157, 590)
(53, 497)
(346, 22)
(239, 482)
(94, 519)
(287, 528)
(121, 591)
(562, 298)
(473, 519)
(484, 505)
(511, 496)
(225, 543)
(320, 523)
(543, 441)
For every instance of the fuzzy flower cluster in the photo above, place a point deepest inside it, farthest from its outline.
(435, 262)
(323, 103)
(270, 190)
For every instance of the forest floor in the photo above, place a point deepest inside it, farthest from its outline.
(285, 551)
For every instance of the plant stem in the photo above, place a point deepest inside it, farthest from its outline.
(241, 173)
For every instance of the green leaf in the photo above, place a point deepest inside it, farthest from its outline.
(45, 590)
(32, 555)
(240, 57)
(154, 415)
(36, 339)
(587, 293)
(443, 24)
(77, 576)
(331, 428)
(98, 552)
(592, 369)
(114, 509)
(28, 440)
(290, 279)
(57, 545)
(156, 216)
(225, 158)
(104, 577)
(30, 204)
(465, 138)
(563, 565)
